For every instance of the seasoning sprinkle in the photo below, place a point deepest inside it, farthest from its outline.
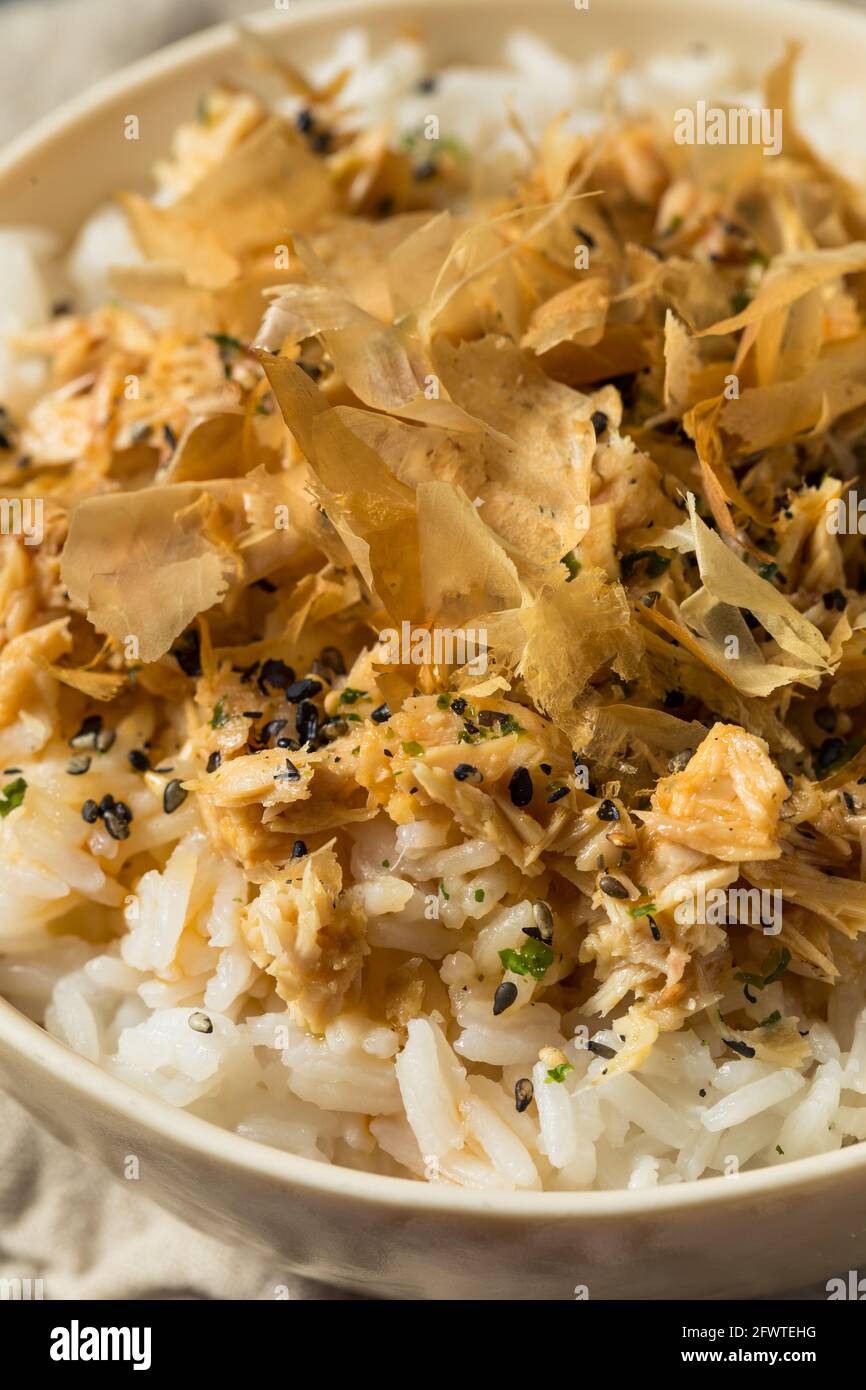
(299, 850)
(90, 811)
(504, 997)
(214, 760)
(173, 796)
(523, 1094)
(138, 761)
(543, 919)
(465, 772)
(607, 810)
(200, 1023)
(79, 764)
(612, 886)
(381, 714)
(520, 787)
(302, 690)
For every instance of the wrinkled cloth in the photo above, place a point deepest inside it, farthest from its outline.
(87, 1235)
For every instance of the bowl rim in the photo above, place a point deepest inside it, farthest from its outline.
(191, 1133)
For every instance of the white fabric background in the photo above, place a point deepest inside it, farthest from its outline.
(86, 1235)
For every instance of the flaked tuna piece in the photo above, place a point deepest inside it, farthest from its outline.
(309, 936)
(725, 802)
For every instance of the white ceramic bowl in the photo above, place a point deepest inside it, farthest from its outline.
(754, 1234)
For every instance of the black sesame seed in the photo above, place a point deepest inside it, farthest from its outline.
(702, 1092)
(173, 796)
(849, 802)
(290, 774)
(601, 1049)
(674, 699)
(459, 705)
(788, 780)
(90, 812)
(465, 772)
(276, 674)
(612, 886)
(138, 761)
(426, 85)
(599, 421)
(608, 810)
(170, 437)
(520, 787)
(543, 919)
(86, 735)
(293, 744)
(299, 849)
(381, 714)
(653, 926)
(253, 714)
(200, 1023)
(523, 1093)
(117, 827)
(78, 765)
(427, 169)
(321, 141)
(302, 690)
(122, 811)
(504, 997)
(105, 739)
(271, 729)
(650, 599)
(741, 1048)
(307, 722)
(557, 794)
(106, 804)
(545, 768)
(214, 760)
(305, 120)
(265, 585)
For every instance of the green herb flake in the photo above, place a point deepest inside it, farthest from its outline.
(656, 564)
(780, 1150)
(443, 701)
(350, 696)
(225, 342)
(643, 910)
(412, 748)
(771, 1020)
(768, 571)
(558, 1073)
(534, 958)
(572, 564)
(13, 795)
(220, 715)
(479, 895)
(780, 961)
(444, 891)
